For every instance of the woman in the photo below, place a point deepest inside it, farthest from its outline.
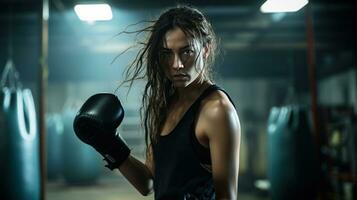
(191, 125)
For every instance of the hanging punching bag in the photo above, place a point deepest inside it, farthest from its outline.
(19, 167)
(292, 170)
(81, 163)
(54, 144)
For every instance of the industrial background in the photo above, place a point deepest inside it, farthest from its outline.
(291, 75)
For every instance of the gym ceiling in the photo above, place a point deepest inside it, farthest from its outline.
(253, 44)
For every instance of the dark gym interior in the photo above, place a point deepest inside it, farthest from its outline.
(291, 75)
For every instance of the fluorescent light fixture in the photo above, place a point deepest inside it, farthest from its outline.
(93, 12)
(274, 6)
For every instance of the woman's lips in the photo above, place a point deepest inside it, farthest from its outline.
(180, 77)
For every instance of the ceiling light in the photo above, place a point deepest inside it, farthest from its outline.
(274, 6)
(93, 12)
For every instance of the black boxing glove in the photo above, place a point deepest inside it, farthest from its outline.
(96, 123)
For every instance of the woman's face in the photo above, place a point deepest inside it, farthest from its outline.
(182, 58)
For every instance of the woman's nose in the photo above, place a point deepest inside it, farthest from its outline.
(177, 63)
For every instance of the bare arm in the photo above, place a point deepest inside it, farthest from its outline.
(222, 128)
(140, 175)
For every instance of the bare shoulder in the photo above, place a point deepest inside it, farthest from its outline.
(217, 111)
(217, 103)
(218, 116)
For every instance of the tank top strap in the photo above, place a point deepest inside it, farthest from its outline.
(207, 92)
(204, 94)
(203, 153)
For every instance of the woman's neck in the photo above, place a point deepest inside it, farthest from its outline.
(189, 93)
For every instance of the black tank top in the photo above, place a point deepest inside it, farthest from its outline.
(178, 157)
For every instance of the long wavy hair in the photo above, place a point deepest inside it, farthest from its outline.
(146, 65)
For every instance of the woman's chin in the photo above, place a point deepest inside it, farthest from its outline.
(180, 84)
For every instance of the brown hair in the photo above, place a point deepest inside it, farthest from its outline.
(158, 88)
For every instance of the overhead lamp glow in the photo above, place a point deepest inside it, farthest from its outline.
(276, 6)
(93, 12)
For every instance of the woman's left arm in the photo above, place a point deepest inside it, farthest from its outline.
(222, 129)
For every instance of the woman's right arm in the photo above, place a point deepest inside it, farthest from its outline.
(139, 174)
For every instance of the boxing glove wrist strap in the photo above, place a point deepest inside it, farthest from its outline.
(115, 153)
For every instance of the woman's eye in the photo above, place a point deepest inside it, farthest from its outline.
(186, 55)
(165, 56)
(188, 52)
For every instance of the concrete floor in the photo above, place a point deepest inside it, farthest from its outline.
(108, 187)
(103, 190)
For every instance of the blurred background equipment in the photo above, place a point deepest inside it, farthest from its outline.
(293, 165)
(19, 152)
(292, 70)
(55, 131)
(339, 150)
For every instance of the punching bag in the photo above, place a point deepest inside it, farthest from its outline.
(19, 151)
(81, 163)
(292, 170)
(54, 137)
